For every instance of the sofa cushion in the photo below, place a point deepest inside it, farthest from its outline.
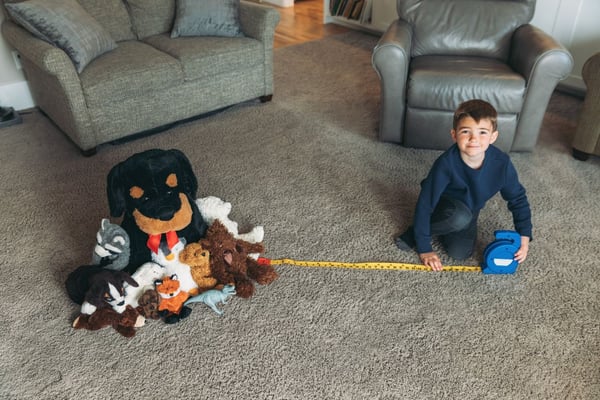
(206, 56)
(207, 18)
(134, 69)
(112, 15)
(151, 17)
(65, 24)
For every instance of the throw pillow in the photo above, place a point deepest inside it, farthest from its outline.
(65, 24)
(207, 18)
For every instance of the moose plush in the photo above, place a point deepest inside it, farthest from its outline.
(124, 323)
(154, 191)
(230, 262)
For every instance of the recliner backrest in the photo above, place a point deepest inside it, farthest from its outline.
(464, 27)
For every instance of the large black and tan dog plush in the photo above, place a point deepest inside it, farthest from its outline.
(154, 191)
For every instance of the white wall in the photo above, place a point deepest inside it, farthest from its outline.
(573, 22)
(14, 91)
(281, 3)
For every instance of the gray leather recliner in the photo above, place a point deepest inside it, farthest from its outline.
(440, 53)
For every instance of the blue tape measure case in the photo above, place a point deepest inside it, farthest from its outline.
(498, 256)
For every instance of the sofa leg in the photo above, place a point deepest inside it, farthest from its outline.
(580, 155)
(89, 152)
(267, 98)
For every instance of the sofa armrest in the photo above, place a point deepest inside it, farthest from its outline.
(543, 62)
(259, 21)
(391, 59)
(54, 84)
(44, 55)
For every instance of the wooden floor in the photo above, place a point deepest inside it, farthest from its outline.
(303, 23)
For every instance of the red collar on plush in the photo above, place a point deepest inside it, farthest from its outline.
(154, 240)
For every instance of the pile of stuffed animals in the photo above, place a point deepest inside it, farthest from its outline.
(169, 251)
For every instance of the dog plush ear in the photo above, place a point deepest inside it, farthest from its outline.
(115, 192)
(125, 277)
(95, 296)
(188, 180)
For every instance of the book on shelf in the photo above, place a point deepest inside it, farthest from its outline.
(365, 15)
(335, 6)
(358, 10)
(348, 8)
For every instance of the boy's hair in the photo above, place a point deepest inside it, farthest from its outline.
(478, 110)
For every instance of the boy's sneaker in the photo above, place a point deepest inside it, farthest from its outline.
(406, 241)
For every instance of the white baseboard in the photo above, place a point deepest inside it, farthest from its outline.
(16, 95)
(281, 3)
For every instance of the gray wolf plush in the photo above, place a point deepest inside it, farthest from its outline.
(112, 246)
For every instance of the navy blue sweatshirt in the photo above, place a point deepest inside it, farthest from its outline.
(451, 177)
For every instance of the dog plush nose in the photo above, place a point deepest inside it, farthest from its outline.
(165, 213)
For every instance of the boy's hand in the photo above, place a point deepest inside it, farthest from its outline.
(521, 254)
(432, 260)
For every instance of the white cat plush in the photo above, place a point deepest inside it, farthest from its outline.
(145, 276)
(172, 265)
(212, 208)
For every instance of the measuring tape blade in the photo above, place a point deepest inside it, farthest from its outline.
(366, 265)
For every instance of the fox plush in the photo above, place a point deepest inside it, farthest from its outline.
(172, 297)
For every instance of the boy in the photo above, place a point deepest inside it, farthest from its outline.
(458, 185)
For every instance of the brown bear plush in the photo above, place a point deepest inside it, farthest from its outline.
(124, 323)
(198, 258)
(148, 304)
(230, 263)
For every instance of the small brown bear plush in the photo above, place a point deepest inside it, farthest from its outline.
(124, 323)
(148, 304)
(198, 258)
(230, 263)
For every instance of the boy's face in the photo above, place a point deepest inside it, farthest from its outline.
(473, 138)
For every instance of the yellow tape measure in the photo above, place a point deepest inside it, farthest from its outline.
(367, 265)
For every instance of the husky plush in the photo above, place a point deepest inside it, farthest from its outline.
(112, 246)
(95, 287)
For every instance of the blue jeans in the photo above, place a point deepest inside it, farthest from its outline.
(456, 226)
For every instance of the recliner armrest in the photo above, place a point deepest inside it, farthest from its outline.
(398, 37)
(543, 62)
(391, 60)
(532, 49)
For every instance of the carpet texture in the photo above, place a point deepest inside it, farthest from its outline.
(308, 167)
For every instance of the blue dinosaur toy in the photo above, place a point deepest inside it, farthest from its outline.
(213, 297)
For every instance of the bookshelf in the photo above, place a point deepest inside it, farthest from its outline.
(369, 15)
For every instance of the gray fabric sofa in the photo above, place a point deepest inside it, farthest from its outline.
(149, 80)
(438, 54)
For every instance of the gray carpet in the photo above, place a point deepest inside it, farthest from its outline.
(308, 167)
